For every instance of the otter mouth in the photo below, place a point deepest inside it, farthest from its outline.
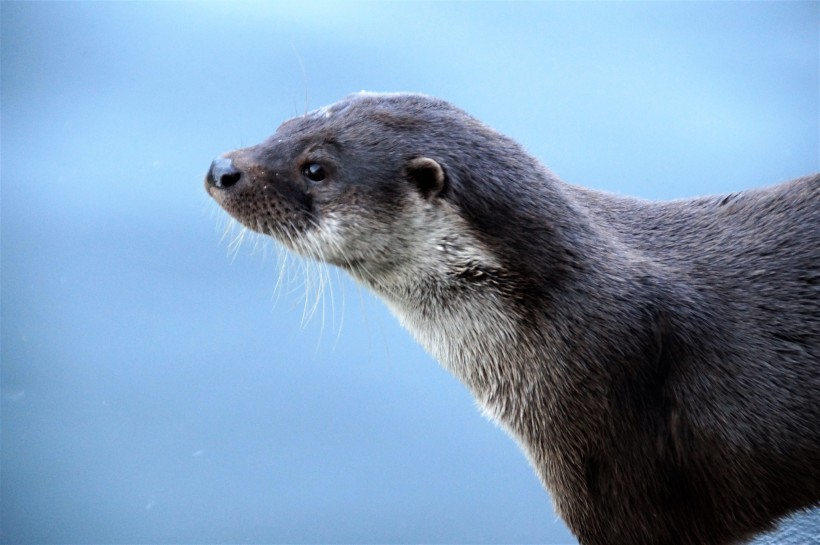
(267, 204)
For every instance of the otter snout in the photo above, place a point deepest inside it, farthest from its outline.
(223, 174)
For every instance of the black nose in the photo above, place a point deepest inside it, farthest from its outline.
(223, 174)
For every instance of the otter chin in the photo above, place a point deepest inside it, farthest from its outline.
(658, 362)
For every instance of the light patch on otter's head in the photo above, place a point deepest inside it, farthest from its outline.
(326, 112)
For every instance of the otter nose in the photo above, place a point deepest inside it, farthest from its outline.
(223, 174)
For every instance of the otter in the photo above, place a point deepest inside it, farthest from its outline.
(658, 362)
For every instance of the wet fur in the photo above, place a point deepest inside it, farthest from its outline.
(658, 362)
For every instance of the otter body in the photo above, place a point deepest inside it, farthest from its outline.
(659, 363)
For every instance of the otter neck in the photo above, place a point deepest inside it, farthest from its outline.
(473, 332)
(480, 322)
(520, 356)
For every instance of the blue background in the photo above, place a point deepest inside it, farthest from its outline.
(158, 387)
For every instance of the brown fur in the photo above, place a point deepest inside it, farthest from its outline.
(658, 362)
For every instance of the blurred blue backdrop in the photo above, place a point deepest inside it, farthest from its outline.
(153, 388)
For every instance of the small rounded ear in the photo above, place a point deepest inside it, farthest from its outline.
(427, 174)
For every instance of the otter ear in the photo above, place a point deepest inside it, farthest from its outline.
(427, 174)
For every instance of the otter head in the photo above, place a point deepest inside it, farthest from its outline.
(454, 225)
(362, 184)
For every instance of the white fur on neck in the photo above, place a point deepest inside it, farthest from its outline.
(469, 328)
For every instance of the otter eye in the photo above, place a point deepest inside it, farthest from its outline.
(314, 172)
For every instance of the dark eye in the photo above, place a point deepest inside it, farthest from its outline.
(314, 172)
